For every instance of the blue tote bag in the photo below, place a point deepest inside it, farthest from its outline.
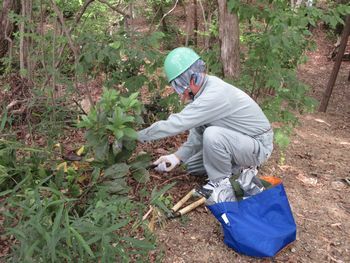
(258, 226)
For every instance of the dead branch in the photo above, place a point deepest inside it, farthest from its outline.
(14, 103)
(333, 77)
(148, 213)
(20, 110)
(80, 107)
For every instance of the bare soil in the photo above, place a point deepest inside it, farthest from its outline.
(316, 164)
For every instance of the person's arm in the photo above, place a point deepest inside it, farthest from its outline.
(193, 144)
(202, 111)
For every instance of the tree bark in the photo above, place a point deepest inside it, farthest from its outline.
(229, 41)
(195, 20)
(25, 41)
(336, 67)
(6, 26)
(164, 24)
(189, 24)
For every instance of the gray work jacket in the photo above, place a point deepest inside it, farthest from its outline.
(216, 104)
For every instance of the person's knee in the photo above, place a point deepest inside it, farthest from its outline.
(211, 136)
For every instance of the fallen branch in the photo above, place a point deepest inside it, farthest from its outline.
(14, 103)
(19, 111)
(80, 107)
(148, 213)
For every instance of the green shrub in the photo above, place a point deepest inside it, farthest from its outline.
(59, 213)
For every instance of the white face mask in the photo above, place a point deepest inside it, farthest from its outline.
(179, 89)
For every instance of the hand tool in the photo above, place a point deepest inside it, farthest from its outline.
(152, 166)
(175, 212)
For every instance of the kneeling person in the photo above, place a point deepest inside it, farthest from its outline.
(228, 130)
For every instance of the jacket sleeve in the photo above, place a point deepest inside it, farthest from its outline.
(193, 144)
(202, 111)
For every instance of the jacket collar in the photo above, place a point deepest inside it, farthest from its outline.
(202, 88)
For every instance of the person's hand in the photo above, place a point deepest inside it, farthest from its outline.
(166, 163)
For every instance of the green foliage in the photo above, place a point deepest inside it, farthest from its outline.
(81, 211)
(84, 211)
(114, 57)
(277, 37)
(110, 126)
(50, 228)
(335, 15)
(212, 60)
(161, 201)
(69, 213)
(20, 164)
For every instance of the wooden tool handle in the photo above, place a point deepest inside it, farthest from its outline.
(182, 201)
(191, 206)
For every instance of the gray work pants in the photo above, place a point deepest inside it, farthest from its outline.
(225, 152)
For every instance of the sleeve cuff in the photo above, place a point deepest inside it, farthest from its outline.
(183, 154)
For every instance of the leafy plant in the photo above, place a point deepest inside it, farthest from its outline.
(92, 219)
(48, 227)
(110, 126)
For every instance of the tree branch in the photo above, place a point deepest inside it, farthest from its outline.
(65, 30)
(114, 8)
(166, 14)
(9, 40)
(77, 20)
(81, 12)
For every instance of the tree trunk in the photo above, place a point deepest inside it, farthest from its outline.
(336, 67)
(164, 24)
(229, 41)
(25, 41)
(7, 27)
(189, 24)
(195, 20)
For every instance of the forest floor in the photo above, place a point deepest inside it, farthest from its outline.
(316, 163)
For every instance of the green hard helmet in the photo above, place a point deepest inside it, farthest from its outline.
(178, 60)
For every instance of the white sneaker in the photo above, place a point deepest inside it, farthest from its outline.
(211, 185)
(217, 192)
